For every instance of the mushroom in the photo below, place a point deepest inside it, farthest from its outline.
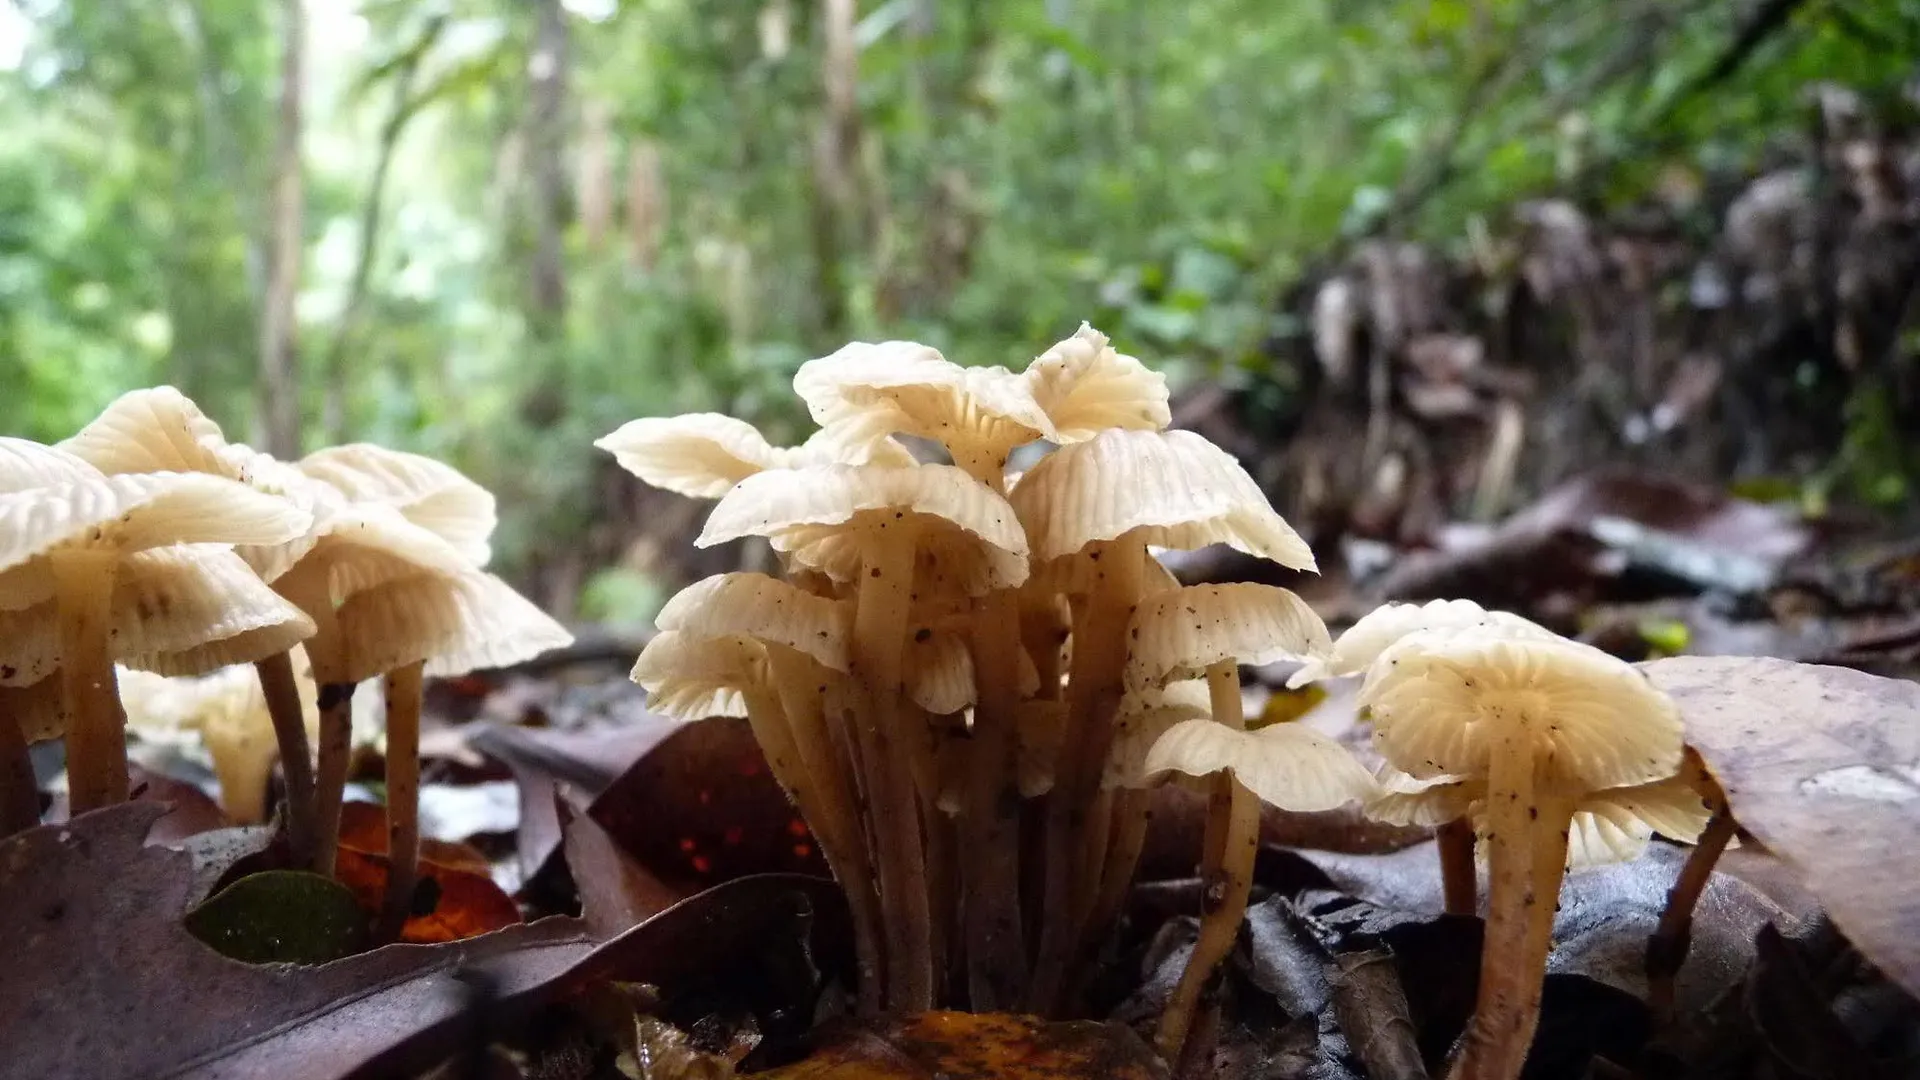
(804, 639)
(1668, 945)
(161, 430)
(27, 715)
(701, 455)
(66, 530)
(1355, 651)
(428, 624)
(1086, 387)
(430, 494)
(227, 713)
(1104, 500)
(874, 525)
(1210, 630)
(1542, 723)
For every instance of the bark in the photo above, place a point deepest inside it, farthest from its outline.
(547, 137)
(279, 404)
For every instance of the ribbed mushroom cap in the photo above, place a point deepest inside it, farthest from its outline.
(1609, 825)
(1142, 717)
(1379, 629)
(701, 455)
(689, 678)
(226, 712)
(1444, 702)
(1179, 633)
(361, 546)
(824, 518)
(864, 393)
(455, 624)
(429, 493)
(1173, 488)
(1085, 387)
(161, 430)
(764, 608)
(180, 610)
(125, 514)
(1286, 765)
(938, 663)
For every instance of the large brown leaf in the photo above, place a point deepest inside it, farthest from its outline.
(1822, 765)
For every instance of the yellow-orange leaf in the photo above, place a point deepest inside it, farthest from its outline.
(997, 1045)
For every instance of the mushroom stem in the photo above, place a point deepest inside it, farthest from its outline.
(1526, 857)
(1667, 948)
(404, 688)
(330, 772)
(995, 948)
(879, 641)
(801, 689)
(1093, 692)
(1457, 876)
(1133, 815)
(296, 761)
(19, 790)
(1227, 879)
(96, 726)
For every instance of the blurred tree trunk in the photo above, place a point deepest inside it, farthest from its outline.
(279, 391)
(547, 140)
(836, 199)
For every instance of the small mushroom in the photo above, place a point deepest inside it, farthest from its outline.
(226, 711)
(411, 627)
(702, 455)
(66, 530)
(1355, 652)
(1668, 945)
(1211, 630)
(880, 528)
(1543, 723)
(1086, 387)
(1103, 501)
(430, 494)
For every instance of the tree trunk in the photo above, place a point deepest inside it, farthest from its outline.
(547, 138)
(279, 404)
(836, 199)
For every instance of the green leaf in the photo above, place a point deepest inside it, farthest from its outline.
(281, 917)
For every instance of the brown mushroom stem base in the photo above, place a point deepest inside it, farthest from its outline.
(1458, 883)
(296, 757)
(1093, 692)
(96, 726)
(404, 688)
(335, 753)
(1526, 858)
(1132, 816)
(19, 792)
(1667, 948)
(994, 942)
(1224, 905)
(879, 641)
(834, 817)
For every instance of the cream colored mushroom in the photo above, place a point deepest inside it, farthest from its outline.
(1086, 387)
(1104, 500)
(429, 624)
(67, 539)
(430, 494)
(226, 712)
(1543, 723)
(701, 455)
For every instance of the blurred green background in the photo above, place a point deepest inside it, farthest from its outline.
(503, 227)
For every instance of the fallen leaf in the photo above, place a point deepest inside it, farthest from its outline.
(449, 904)
(542, 760)
(112, 985)
(363, 827)
(936, 1045)
(615, 891)
(281, 917)
(1821, 765)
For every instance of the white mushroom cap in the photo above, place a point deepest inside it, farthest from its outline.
(1286, 765)
(1443, 703)
(360, 546)
(701, 455)
(689, 678)
(764, 608)
(824, 517)
(1142, 717)
(429, 493)
(226, 712)
(180, 610)
(864, 393)
(1173, 488)
(1085, 387)
(1375, 632)
(1403, 799)
(1179, 633)
(455, 624)
(161, 430)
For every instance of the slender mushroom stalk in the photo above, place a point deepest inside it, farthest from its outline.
(282, 694)
(1667, 947)
(1543, 723)
(309, 591)
(19, 790)
(404, 689)
(1459, 884)
(96, 743)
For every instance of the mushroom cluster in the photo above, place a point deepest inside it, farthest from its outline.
(149, 540)
(965, 675)
(1545, 752)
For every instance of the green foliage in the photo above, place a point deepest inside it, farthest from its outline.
(1165, 170)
